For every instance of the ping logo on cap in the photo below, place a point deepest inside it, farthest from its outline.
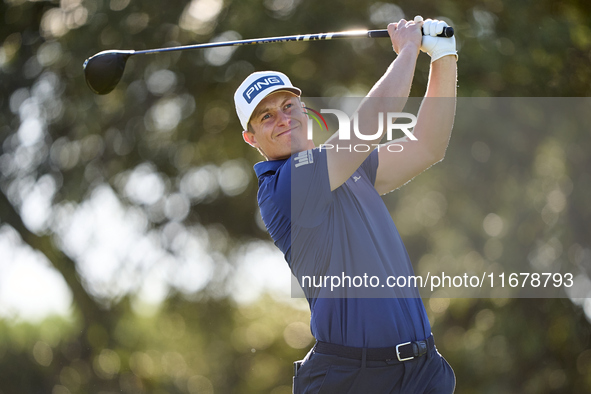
(259, 85)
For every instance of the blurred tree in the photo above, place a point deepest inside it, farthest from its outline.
(164, 149)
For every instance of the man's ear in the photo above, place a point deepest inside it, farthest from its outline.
(250, 138)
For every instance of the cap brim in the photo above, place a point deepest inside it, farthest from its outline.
(294, 90)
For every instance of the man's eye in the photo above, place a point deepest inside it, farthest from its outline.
(265, 117)
(288, 105)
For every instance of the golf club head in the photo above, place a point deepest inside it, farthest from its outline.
(103, 71)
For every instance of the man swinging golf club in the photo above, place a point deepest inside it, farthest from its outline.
(323, 209)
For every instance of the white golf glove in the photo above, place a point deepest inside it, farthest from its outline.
(434, 46)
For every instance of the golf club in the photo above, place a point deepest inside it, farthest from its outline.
(103, 71)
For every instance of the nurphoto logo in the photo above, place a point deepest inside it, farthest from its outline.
(344, 130)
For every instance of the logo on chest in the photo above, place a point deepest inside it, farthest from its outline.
(303, 158)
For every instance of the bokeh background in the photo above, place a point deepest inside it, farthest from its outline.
(132, 255)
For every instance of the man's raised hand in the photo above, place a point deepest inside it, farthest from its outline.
(437, 47)
(405, 34)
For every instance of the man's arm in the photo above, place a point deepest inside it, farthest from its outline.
(343, 161)
(433, 130)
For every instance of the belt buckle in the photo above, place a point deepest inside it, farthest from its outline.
(398, 352)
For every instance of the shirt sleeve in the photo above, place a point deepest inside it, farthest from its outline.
(370, 166)
(311, 196)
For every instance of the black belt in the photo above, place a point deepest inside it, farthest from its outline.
(402, 352)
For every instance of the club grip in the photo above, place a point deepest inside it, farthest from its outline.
(447, 32)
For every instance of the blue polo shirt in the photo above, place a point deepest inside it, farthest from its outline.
(345, 233)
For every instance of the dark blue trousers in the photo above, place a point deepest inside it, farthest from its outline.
(327, 374)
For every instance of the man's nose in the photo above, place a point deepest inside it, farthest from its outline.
(283, 118)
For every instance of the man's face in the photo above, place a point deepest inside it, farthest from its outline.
(279, 126)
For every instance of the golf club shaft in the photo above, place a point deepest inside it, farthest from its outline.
(448, 32)
(104, 70)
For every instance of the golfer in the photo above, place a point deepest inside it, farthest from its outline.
(322, 207)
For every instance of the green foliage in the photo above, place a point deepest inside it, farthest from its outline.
(185, 347)
(171, 118)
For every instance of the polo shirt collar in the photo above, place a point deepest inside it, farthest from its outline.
(263, 167)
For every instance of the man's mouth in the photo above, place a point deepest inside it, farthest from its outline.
(286, 132)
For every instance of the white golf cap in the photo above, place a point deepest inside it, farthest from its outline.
(255, 88)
